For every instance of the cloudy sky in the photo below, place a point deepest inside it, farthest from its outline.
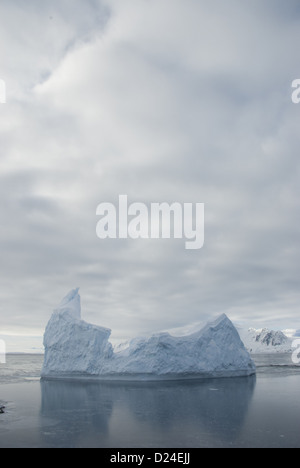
(164, 101)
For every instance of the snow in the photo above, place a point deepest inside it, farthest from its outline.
(263, 340)
(76, 349)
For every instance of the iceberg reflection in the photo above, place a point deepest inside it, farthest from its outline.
(131, 414)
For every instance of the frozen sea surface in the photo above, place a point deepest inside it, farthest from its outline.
(256, 411)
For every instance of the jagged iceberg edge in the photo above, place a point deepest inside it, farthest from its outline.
(75, 349)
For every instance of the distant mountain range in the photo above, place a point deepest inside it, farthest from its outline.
(267, 341)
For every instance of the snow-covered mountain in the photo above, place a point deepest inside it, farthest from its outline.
(265, 341)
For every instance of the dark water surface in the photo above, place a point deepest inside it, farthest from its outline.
(257, 411)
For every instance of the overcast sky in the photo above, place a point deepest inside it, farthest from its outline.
(164, 101)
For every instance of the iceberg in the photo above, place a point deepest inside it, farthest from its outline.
(77, 349)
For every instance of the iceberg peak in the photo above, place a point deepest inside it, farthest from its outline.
(70, 304)
(219, 320)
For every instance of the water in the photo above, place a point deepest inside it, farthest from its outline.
(257, 411)
(20, 368)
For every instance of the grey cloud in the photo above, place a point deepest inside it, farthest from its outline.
(183, 114)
